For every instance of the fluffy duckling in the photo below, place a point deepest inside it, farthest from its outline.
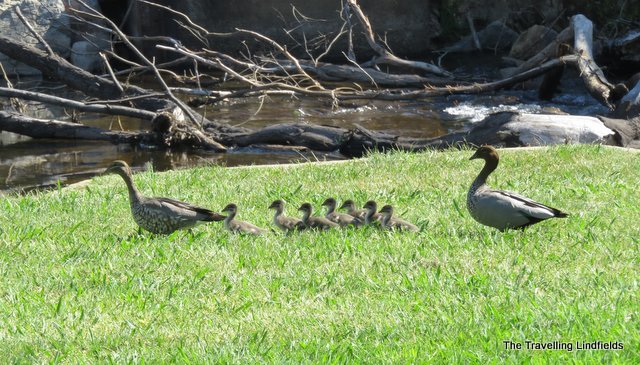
(340, 218)
(282, 222)
(350, 206)
(390, 222)
(372, 217)
(499, 208)
(160, 215)
(315, 222)
(236, 226)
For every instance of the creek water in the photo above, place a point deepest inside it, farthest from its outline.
(27, 163)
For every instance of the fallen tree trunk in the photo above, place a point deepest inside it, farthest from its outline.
(45, 128)
(68, 103)
(591, 74)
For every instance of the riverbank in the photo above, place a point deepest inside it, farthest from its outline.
(81, 286)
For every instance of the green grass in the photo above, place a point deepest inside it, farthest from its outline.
(80, 286)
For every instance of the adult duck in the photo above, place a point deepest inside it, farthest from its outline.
(393, 223)
(236, 226)
(499, 208)
(315, 222)
(160, 215)
(285, 223)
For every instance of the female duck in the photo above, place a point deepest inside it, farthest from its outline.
(502, 209)
(160, 215)
(236, 226)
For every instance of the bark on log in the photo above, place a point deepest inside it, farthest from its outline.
(68, 103)
(44, 128)
(591, 74)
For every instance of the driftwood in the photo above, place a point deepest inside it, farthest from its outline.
(591, 74)
(68, 103)
(46, 128)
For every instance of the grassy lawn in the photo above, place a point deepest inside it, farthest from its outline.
(80, 285)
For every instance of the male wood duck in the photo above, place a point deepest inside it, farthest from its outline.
(350, 206)
(282, 222)
(315, 222)
(340, 218)
(372, 217)
(160, 215)
(236, 226)
(499, 208)
(390, 222)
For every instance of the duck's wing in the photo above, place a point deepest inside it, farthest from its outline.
(290, 223)
(531, 207)
(250, 228)
(342, 218)
(402, 224)
(189, 211)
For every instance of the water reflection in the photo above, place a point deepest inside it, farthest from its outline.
(26, 164)
(48, 163)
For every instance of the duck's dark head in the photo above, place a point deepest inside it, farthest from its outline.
(487, 153)
(348, 204)
(118, 167)
(305, 207)
(277, 204)
(230, 208)
(387, 210)
(329, 202)
(370, 205)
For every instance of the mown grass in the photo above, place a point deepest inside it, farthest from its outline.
(80, 286)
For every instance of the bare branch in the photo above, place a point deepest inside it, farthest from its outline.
(33, 31)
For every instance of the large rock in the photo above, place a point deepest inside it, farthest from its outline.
(46, 17)
(86, 55)
(532, 41)
(496, 36)
(88, 40)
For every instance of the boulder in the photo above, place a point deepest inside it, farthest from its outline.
(85, 55)
(496, 36)
(48, 20)
(532, 41)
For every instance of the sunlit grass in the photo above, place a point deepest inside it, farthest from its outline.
(80, 285)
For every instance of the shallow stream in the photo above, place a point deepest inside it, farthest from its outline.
(26, 163)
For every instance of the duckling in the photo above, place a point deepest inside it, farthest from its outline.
(282, 222)
(160, 215)
(372, 217)
(499, 208)
(237, 226)
(390, 222)
(315, 222)
(340, 218)
(352, 211)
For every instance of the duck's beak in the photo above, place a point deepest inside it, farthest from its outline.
(475, 155)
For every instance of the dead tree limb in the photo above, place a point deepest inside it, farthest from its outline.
(68, 103)
(591, 74)
(44, 128)
(185, 109)
(384, 56)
